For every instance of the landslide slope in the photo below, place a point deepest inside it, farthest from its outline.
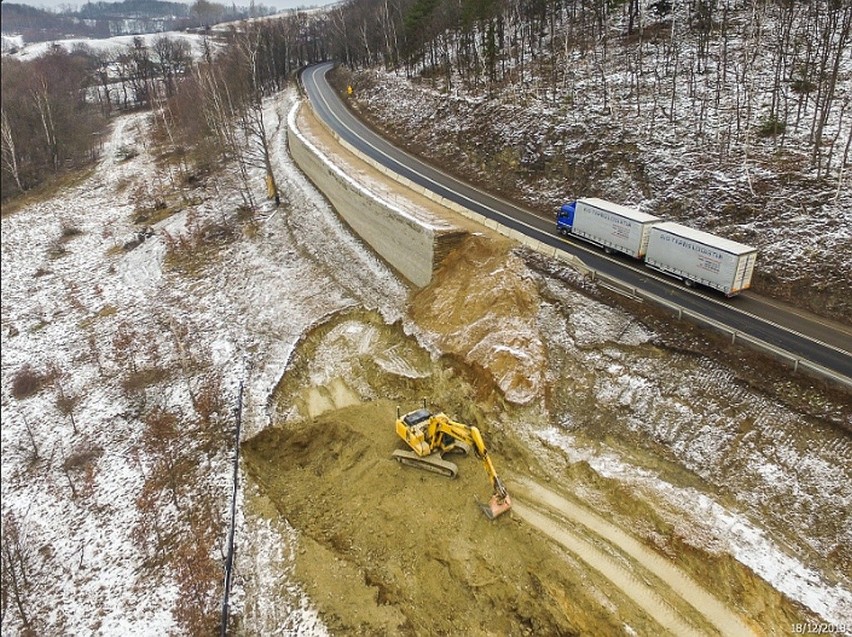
(386, 549)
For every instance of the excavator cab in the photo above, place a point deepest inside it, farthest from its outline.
(416, 417)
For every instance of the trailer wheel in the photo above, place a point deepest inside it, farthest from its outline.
(608, 250)
(689, 283)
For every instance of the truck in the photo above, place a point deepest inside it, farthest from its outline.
(698, 257)
(606, 224)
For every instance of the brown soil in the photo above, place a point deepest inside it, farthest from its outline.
(386, 549)
(493, 325)
(391, 550)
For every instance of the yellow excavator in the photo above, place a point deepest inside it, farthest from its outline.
(431, 436)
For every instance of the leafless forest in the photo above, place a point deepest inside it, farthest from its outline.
(759, 75)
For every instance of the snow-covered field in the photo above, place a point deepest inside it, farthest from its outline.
(112, 47)
(64, 302)
(11, 42)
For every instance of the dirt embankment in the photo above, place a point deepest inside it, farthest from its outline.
(485, 310)
(387, 549)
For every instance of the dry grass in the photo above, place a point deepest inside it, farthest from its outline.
(47, 190)
(83, 458)
(191, 252)
(69, 232)
(140, 379)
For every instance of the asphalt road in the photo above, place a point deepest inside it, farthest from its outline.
(803, 336)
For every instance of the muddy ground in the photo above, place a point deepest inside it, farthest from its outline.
(386, 549)
(391, 550)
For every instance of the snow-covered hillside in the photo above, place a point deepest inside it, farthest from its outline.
(134, 305)
(83, 307)
(714, 129)
(112, 47)
(11, 43)
(137, 345)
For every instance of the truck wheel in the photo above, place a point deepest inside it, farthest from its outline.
(688, 283)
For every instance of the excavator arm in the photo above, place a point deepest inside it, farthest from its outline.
(500, 501)
(469, 435)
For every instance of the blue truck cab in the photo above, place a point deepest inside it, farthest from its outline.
(565, 218)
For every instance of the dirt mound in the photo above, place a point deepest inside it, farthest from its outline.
(387, 549)
(491, 325)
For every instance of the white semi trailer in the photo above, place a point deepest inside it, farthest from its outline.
(609, 225)
(700, 257)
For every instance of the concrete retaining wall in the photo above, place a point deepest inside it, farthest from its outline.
(573, 261)
(411, 246)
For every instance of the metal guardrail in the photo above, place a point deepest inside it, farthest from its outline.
(796, 362)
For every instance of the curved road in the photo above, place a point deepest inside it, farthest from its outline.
(805, 337)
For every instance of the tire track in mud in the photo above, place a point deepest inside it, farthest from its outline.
(543, 509)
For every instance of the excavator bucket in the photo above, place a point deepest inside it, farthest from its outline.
(496, 506)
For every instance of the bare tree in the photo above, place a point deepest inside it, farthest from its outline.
(41, 98)
(48, 123)
(841, 173)
(35, 456)
(10, 158)
(207, 12)
(836, 28)
(18, 562)
(65, 402)
(249, 43)
(172, 57)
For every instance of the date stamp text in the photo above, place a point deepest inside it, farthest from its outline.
(820, 628)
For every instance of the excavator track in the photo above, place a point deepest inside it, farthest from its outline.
(432, 462)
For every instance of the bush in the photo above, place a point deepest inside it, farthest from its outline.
(126, 153)
(28, 381)
(56, 250)
(191, 251)
(803, 86)
(69, 232)
(138, 380)
(82, 458)
(771, 126)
